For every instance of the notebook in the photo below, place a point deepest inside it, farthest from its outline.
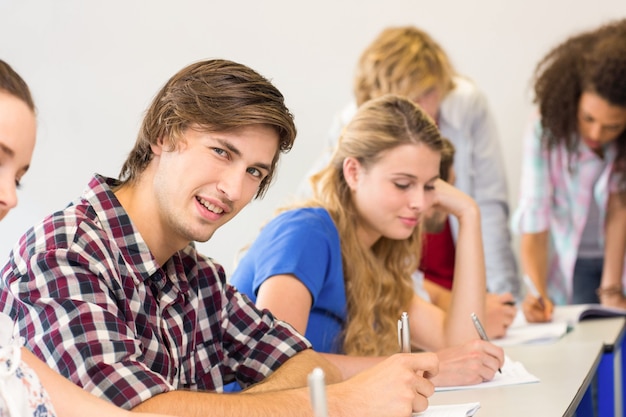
(572, 314)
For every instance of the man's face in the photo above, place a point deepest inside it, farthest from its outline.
(208, 179)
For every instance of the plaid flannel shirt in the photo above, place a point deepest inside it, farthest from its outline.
(91, 301)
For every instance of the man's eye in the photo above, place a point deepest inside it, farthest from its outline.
(255, 172)
(220, 151)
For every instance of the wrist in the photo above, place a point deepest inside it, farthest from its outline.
(610, 290)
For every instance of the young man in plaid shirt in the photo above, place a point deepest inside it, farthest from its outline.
(112, 294)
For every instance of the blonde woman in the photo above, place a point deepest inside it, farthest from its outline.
(339, 267)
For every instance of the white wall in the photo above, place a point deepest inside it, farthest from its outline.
(94, 66)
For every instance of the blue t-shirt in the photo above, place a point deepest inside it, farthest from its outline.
(305, 243)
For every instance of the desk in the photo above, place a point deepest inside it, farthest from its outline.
(565, 369)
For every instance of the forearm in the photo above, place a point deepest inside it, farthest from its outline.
(439, 296)
(534, 256)
(351, 365)
(469, 287)
(294, 372)
(203, 404)
(615, 242)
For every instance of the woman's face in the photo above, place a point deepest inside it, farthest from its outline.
(17, 140)
(391, 195)
(599, 122)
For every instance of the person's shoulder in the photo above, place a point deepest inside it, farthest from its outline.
(464, 94)
(464, 103)
(309, 216)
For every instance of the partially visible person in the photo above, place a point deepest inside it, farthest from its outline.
(572, 207)
(29, 387)
(338, 267)
(112, 294)
(435, 282)
(406, 61)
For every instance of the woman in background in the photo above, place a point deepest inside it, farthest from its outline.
(572, 208)
(28, 387)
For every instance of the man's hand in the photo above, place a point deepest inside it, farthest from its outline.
(397, 386)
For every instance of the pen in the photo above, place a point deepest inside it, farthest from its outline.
(404, 334)
(317, 391)
(533, 290)
(481, 331)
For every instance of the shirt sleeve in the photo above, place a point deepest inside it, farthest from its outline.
(255, 343)
(491, 194)
(533, 211)
(297, 242)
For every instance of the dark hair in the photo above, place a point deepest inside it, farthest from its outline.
(12, 83)
(217, 95)
(593, 61)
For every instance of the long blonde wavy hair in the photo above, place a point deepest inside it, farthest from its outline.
(377, 280)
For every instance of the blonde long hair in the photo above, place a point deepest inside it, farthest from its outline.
(377, 280)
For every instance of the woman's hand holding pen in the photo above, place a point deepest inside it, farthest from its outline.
(470, 363)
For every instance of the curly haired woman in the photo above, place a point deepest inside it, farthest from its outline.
(572, 208)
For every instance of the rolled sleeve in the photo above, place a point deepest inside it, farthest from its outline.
(256, 343)
(533, 212)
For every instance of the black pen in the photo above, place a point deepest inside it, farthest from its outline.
(481, 331)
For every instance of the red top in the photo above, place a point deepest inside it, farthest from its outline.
(437, 262)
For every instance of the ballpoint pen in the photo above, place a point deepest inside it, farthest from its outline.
(481, 331)
(404, 334)
(533, 290)
(317, 391)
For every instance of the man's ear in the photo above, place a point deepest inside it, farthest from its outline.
(351, 171)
